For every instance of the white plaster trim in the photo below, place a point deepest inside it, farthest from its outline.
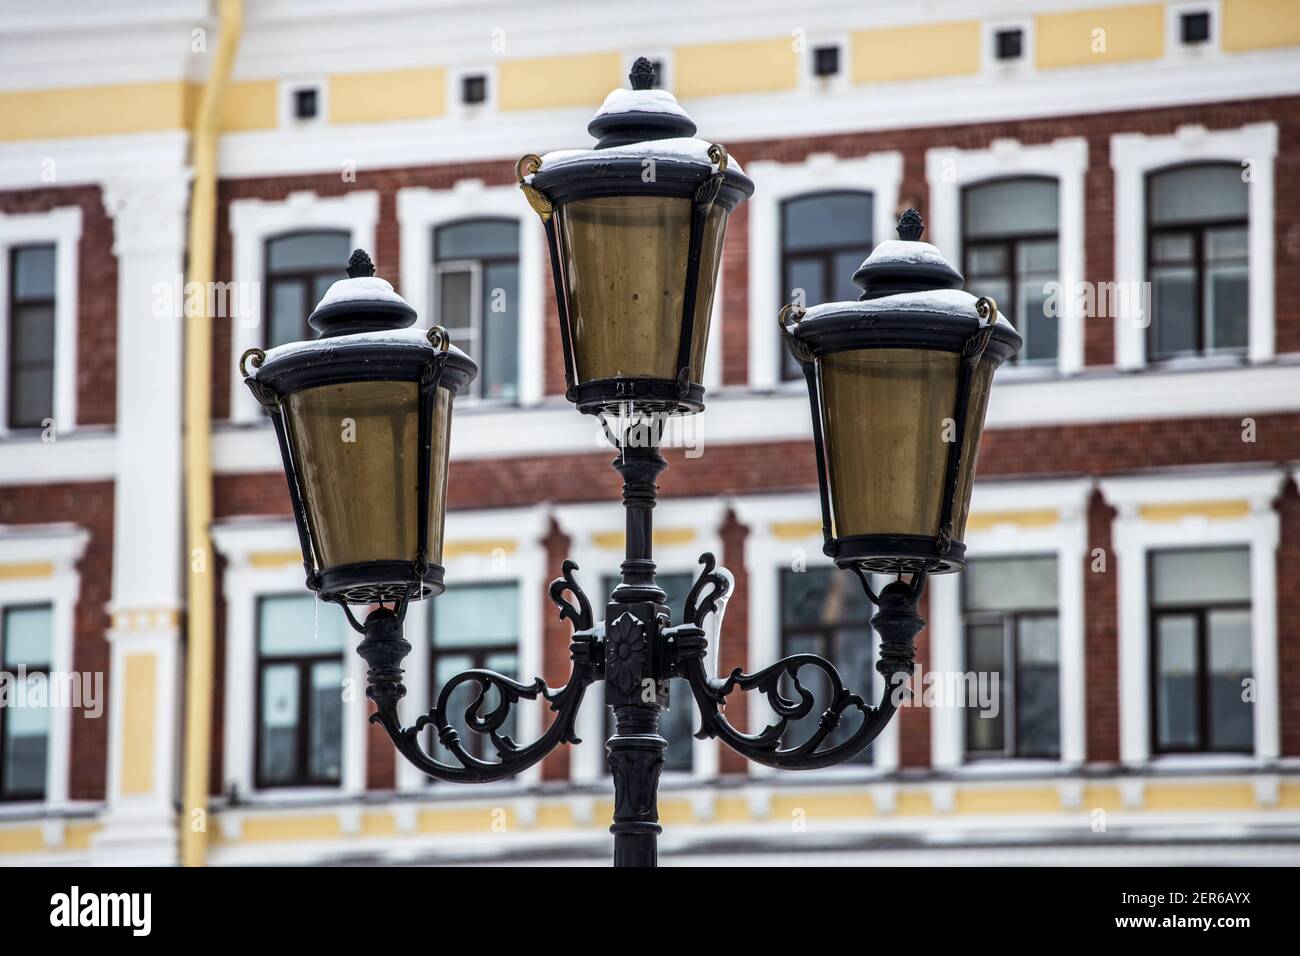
(1175, 49)
(63, 546)
(1135, 536)
(765, 556)
(252, 222)
(241, 586)
(526, 567)
(62, 227)
(420, 210)
(1132, 156)
(878, 173)
(582, 523)
(1067, 540)
(949, 171)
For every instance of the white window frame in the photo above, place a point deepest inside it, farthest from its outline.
(880, 174)
(1132, 157)
(62, 227)
(595, 543)
(421, 210)
(248, 578)
(289, 87)
(766, 554)
(522, 563)
(1211, 48)
(1135, 536)
(252, 223)
(1066, 540)
(61, 546)
(1008, 69)
(950, 171)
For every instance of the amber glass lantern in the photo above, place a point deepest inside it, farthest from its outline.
(635, 228)
(899, 383)
(363, 418)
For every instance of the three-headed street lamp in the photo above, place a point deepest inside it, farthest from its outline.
(898, 384)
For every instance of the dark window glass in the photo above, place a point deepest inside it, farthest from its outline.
(300, 268)
(300, 693)
(824, 612)
(824, 238)
(826, 60)
(305, 103)
(474, 626)
(1201, 650)
(1197, 260)
(1008, 44)
(476, 281)
(676, 724)
(26, 635)
(473, 89)
(1011, 251)
(1011, 626)
(31, 336)
(1195, 27)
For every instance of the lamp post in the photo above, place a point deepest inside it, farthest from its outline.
(897, 381)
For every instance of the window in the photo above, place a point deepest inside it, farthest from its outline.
(473, 89)
(675, 723)
(306, 103)
(26, 636)
(476, 278)
(1197, 260)
(300, 268)
(1194, 28)
(31, 335)
(299, 692)
(474, 626)
(1011, 631)
(824, 238)
(1201, 653)
(824, 612)
(1008, 44)
(826, 60)
(1010, 252)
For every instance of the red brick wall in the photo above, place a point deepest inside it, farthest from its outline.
(556, 663)
(1101, 636)
(89, 504)
(96, 294)
(1288, 620)
(735, 637)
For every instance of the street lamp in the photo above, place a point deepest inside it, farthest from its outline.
(898, 384)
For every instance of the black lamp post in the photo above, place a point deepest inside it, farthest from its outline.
(898, 384)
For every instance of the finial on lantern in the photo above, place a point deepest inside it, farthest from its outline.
(910, 226)
(359, 265)
(643, 74)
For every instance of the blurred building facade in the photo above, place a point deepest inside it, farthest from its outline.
(1135, 538)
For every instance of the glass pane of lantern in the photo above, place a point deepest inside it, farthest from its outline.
(981, 382)
(355, 447)
(626, 258)
(884, 413)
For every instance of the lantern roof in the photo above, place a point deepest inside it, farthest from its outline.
(631, 127)
(362, 302)
(911, 298)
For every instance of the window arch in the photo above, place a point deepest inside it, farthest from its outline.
(1197, 260)
(1011, 252)
(825, 236)
(300, 267)
(476, 289)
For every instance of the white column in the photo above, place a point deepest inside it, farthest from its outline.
(148, 544)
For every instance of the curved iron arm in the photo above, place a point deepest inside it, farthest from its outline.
(384, 648)
(897, 622)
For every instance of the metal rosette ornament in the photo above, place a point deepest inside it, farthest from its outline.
(363, 419)
(898, 383)
(635, 228)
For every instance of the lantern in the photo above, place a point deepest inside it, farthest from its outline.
(898, 383)
(635, 228)
(363, 419)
